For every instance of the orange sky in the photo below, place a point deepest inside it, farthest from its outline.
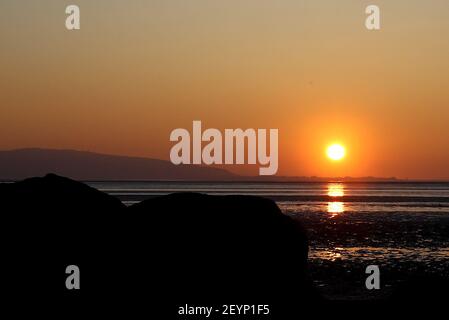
(139, 69)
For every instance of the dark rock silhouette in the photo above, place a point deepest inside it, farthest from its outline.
(47, 224)
(224, 248)
(52, 192)
(166, 251)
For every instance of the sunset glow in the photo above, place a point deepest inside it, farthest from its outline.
(233, 64)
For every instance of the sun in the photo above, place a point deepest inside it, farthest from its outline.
(336, 152)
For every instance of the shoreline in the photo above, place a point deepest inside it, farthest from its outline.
(308, 198)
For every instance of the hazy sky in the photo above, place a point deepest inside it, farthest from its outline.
(139, 69)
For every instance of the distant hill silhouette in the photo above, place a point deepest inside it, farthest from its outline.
(81, 165)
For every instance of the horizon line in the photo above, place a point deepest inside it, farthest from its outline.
(244, 178)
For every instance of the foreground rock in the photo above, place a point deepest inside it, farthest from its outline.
(175, 249)
(47, 224)
(224, 248)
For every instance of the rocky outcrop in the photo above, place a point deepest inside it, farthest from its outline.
(169, 250)
(224, 248)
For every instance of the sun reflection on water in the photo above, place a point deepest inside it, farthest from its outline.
(335, 190)
(335, 207)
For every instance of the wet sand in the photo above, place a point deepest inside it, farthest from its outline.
(404, 245)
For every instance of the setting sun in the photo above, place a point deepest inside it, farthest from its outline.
(336, 152)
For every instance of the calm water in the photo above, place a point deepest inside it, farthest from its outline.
(421, 190)
(386, 223)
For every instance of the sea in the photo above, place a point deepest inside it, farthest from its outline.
(402, 227)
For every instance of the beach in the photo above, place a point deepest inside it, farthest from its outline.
(401, 227)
